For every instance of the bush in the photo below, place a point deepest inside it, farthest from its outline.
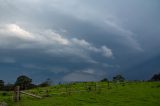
(155, 77)
(104, 80)
(118, 78)
(4, 93)
(9, 87)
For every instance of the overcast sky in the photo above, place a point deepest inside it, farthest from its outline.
(79, 40)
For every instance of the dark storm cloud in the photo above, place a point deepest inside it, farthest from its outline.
(77, 39)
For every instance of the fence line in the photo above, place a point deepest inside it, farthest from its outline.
(68, 90)
(29, 94)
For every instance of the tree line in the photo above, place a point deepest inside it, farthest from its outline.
(120, 78)
(26, 83)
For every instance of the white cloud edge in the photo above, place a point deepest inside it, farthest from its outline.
(51, 39)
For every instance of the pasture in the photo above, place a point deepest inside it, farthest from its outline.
(90, 94)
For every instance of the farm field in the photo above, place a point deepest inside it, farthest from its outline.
(91, 94)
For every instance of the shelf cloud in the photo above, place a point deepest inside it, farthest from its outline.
(77, 40)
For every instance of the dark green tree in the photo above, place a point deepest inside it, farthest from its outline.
(8, 87)
(104, 80)
(24, 82)
(118, 78)
(1, 84)
(155, 77)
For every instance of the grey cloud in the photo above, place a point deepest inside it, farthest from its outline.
(87, 74)
(56, 37)
(7, 60)
(49, 39)
(78, 77)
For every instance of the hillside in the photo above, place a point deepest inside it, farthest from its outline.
(91, 94)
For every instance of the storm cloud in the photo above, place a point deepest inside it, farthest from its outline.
(78, 40)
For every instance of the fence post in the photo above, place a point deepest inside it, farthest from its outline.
(16, 94)
(108, 85)
(95, 87)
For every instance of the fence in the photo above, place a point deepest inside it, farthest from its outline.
(66, 89)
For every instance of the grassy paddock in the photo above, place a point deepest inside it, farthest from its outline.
(91, 94)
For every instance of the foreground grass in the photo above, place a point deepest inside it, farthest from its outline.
(128, 94)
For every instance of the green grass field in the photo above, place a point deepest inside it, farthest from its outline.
(126, 94)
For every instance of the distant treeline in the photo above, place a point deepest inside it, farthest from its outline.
(26, 83)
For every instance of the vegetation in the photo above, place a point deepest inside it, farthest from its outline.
(104, 80)
(23, 81)
(155, 77)
(1, 84)
(101, 93)
(9, 87)
(46, 83)
(134, 93)
(118, 78)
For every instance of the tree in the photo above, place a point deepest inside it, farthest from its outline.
(104, 80)
(1, 84)
(8, 87)
(24, 82)
(118, 78)
(155, 77)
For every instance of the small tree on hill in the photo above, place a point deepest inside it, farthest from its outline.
(118, 78)
(23, 81)
(104, 80)
(155, 77)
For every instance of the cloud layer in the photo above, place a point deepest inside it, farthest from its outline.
(77, 39)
